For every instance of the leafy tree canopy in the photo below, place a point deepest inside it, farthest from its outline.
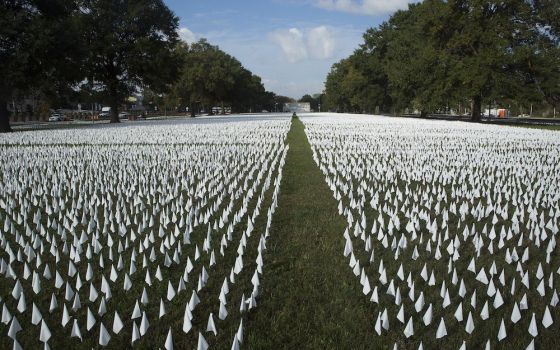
(210, 77)
(131, 45)
(460, 51)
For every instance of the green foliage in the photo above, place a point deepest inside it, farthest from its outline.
(37, 49)
(439, 53)
(211, 77)
(416, 69)
(110, 47)
(130, 45)
(357, 84)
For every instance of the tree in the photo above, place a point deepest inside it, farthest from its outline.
(358, 84)
(39, 49)
(547, 17)
(335, 98)
(494, 48)
(417, 69)
(249, 93)
(209, 76)
(199, 82)
(439, 53)
(132, 44)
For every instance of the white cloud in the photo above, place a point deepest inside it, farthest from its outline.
(320, 42)
(292, 43)
(298, 45)
(186, 35)
(366, 7)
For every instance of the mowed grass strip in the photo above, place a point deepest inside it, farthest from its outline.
(309, 298)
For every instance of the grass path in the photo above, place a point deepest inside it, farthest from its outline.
(309, 299)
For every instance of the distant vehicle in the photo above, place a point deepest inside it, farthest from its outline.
(123, 115)
(56, 117)
(105, 112)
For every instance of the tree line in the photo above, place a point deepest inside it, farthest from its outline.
(211, 77)
(106, 50)
(439, 55)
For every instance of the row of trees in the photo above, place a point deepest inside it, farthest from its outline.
(442, 53)
(106, 50)
(210, 77)
(111, 47)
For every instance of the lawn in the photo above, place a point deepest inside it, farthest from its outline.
(309, 298)
(329, 231)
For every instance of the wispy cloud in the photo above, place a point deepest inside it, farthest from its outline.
(365, 7)
(292, 43)
(298, 45)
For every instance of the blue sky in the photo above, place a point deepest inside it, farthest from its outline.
(290, 44)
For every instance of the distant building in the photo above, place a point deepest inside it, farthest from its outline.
(297, 107)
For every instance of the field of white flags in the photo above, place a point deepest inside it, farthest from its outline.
(142, 236)
(451, 228)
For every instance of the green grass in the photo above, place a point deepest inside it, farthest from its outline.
(310, 299)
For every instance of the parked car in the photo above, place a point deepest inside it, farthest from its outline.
(105, 112)
(123, 115)
(56, 117)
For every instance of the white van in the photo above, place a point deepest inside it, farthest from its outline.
(105, 112)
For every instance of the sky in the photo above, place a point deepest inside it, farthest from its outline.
(290, 44)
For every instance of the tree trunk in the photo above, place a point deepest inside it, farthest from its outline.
(193, 114)
(476, 108)
(4, 116)
(114, 104)
(423, 114)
